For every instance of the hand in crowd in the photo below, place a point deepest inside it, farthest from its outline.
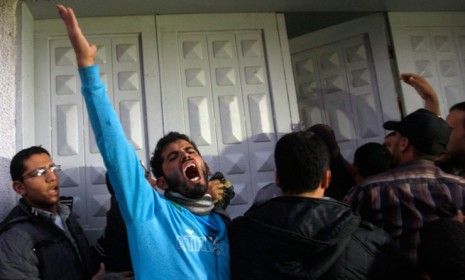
(424, 89)
(216, 190)
(85, 52)
(103, 275)
(99, 273)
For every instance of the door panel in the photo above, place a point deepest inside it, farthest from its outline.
(225, 105)
(60, 106)
(73, 143)
(339, 81)
(216, 89)
(215, 82)
(431, 45)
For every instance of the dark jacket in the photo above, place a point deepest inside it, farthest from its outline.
(30, 244)
(303, 238)
(113, 246)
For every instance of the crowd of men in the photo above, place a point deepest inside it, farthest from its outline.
(380, 218)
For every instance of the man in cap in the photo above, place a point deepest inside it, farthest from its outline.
(416, 191)
(454, 161)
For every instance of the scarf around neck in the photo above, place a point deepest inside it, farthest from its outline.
(198, 206)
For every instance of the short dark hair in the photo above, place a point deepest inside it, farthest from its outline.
(17, 167)
(301, 159)
(157, 160)
(372, 158)
(459, 107)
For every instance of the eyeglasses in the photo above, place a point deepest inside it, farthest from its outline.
(40, 172)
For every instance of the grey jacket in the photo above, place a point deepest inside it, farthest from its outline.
(33, 247)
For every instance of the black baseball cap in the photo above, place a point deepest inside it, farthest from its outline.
(427, 132)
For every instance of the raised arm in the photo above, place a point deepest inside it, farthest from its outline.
(124, 169)
(85, 52)
(425, 90)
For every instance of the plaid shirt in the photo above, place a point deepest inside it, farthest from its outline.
(401, 200)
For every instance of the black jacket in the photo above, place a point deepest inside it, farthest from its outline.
(303, 238)
(56, 255)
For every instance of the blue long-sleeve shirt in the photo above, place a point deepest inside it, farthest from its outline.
(166, 240)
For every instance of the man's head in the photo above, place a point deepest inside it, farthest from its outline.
(371, 159)
(456, 120)
(179, 167)
(302, 163)
(35, 178)
(326, 133)
(420, 134)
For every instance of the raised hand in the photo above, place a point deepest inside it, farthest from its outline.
(85, 52)
(424, 89)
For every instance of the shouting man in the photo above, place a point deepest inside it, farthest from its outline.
(172, 236)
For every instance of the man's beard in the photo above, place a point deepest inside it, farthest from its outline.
(175, 184)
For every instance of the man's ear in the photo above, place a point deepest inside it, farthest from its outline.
(18, 186)
(404, 143)
(161, 183)
(326, 179)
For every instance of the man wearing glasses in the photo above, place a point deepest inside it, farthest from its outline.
(40, 238)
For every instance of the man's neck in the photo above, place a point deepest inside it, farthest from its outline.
(318, 193)
(407, 157)
(53, 209)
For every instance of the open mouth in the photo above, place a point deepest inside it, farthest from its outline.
(53, 190)
(191, 172)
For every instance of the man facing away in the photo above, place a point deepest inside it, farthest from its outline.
(176, 236)
(401, 200)
(303, 234)
(40, 238)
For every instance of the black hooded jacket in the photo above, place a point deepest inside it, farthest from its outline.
(303, 238)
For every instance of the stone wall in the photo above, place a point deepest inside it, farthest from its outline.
(8, 78)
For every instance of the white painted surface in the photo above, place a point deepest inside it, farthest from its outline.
(8, 74)
(25, 98)
(432, 45)
(90, 8)
(344, 79)
(122, 43)
(224, 83)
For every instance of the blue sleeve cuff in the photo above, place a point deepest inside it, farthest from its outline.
(90, 75)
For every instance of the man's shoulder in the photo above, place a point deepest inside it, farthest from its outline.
(417, 171)
(413, 170)
(15, 216)
(16, 237)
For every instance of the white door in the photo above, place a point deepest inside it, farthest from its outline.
(432, 45)
(218, 73)
(61, 121)
(344, 79)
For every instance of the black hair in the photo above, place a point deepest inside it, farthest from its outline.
(157, 160)
(17, 167)
(372, 158)
(301, 159)
(459, 106)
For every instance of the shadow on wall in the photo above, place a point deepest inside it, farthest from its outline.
(8, 197)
